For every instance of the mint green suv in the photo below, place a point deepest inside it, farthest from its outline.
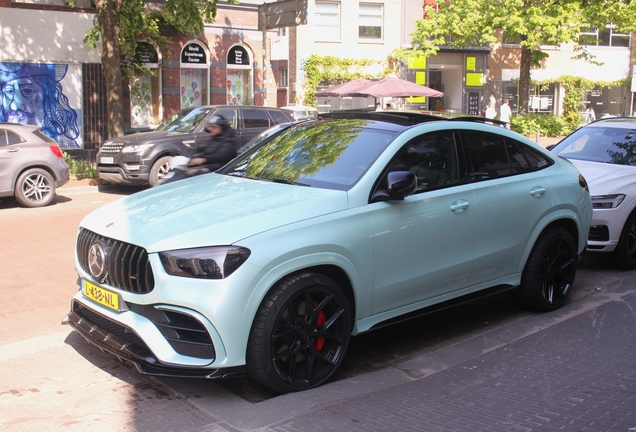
(326, 229)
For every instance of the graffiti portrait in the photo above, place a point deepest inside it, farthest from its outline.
(32, 94)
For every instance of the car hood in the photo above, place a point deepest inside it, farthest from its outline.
(153, 137)
(211, 209)
(604, 178)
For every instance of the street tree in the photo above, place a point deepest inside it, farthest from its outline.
(531, 23)
(121, 24)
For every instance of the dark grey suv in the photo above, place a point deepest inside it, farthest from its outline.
(142, 158)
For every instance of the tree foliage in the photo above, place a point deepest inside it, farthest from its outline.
(474, 23)
(121, 24)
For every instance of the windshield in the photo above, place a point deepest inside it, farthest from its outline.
(600, 144)
(330, 154)
(185, 120)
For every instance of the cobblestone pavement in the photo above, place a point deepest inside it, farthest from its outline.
(480, 367)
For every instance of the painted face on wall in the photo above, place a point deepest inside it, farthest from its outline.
(22, 102)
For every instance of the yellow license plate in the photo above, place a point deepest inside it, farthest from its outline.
(100, 295)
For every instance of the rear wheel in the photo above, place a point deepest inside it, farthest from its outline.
(625, 252)
(35, 188)
(549, 273)
(159, 170)
(300, 334)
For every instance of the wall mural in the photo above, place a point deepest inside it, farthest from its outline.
(38, 94)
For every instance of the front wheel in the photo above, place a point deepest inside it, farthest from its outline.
(625, 252)
(300, 334)
(35, 188)
(159, 170)
(549, 274)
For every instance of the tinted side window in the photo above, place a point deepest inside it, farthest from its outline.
(255, 118)
(279, 116)
(487, 156)
(13, 138)
(3, 137)
(229, 115)
(524, 158)
(432, 158)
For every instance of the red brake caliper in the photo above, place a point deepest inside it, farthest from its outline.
(320, 320)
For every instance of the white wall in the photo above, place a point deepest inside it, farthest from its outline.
(28, 35)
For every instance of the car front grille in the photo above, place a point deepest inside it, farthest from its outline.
(111, 147)
(127, 265)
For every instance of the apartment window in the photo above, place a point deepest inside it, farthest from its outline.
(609, 36)
(511, 39)
(283, 80)
(328, 21)
(370, 19)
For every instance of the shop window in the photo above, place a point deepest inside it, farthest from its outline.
(195, 75)
(327, 21)
(370, 21)
(145, 90)
(239, 76)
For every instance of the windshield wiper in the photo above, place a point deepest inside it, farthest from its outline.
(284, 181)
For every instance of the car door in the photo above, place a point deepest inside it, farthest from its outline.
(252, 122)
(423, 245)
(512, 193)
(13, 155)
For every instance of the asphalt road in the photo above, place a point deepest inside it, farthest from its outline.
(51, 379)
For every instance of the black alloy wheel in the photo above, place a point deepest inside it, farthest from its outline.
(300, 334)
(625, 252)
(549, 274)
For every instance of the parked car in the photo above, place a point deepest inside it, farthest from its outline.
(327, 229)
(302, 112)
(605, 152)
(31, 165)
(142, 158)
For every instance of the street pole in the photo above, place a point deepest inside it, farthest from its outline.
(264, 21)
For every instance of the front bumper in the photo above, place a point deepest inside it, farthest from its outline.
(124, 343)
(116, 175)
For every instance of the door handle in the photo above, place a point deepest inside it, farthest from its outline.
(459, 205)
(537, 191)
(12, 150)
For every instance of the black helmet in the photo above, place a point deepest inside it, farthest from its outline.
(218, 120)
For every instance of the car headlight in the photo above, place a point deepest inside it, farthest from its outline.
(215, 262)
(607, 201)
(136, 148)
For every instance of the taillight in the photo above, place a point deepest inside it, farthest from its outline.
(56, 151)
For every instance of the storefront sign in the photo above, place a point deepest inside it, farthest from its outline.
(146, 53)
(193, 53)
(473, 103)
(471, 62)
(237, 55)
(417, 63)
(474, 79)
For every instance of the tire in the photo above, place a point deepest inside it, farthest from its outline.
(158, 170)
(292, 347)
(625, 252)
(549, 274)
(35, 188)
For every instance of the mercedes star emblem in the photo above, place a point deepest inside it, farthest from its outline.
(97, 260)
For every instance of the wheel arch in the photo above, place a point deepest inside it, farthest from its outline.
(567, 221)
(26, 168)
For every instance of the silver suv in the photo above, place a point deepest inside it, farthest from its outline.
(142, 158)
(31, 165)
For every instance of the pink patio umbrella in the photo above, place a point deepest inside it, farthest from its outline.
(345, 88)
(394, 87)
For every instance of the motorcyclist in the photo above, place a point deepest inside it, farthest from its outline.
(222, 147)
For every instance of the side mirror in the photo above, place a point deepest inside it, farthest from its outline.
(401, 184)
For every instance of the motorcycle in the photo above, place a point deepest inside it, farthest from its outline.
(179, 170)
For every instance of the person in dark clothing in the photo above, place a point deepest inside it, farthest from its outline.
(222, 146)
